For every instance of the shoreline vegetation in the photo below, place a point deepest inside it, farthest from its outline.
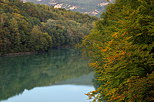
(17, 54)
(121, 49)
(29, 27)
(37, 52)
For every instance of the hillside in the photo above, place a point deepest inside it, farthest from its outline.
(28, 27)
(91, 7)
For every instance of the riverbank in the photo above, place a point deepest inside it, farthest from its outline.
(17, 54)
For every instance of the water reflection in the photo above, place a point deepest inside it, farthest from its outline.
(58, 93)
(58, 67)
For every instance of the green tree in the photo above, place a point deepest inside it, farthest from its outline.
(39, 41)
(19, 22)
(121, 48)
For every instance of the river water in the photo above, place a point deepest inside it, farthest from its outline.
(56, 76)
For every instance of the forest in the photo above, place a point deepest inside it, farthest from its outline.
(120, 45)
(121, 49)
(29, 27)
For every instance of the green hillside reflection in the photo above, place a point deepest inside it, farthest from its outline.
(29, 71)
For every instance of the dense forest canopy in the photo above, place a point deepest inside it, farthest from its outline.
(28, 27)
(121, 46)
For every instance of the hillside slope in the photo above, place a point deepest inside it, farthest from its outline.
(28, 27)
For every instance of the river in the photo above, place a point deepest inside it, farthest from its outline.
(57, 76)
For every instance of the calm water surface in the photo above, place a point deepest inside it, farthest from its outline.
(57, 76)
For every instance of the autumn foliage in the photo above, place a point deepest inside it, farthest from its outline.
(121, 48)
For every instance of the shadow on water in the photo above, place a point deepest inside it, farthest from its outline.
(53, 68)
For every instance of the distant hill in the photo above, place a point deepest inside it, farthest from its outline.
(91, 7)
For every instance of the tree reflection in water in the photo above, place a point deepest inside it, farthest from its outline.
(28, 71)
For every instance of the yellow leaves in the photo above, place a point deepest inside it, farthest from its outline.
(115, 35)
(92, 94)
(111, 42)
(119, 98)
(123, 34)
(112, 57)
(111, 92)
(118, 35)
(127, 38)
(116, 56)
(123, 52)
(124, 62)
(94, 65)
(104, 50)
